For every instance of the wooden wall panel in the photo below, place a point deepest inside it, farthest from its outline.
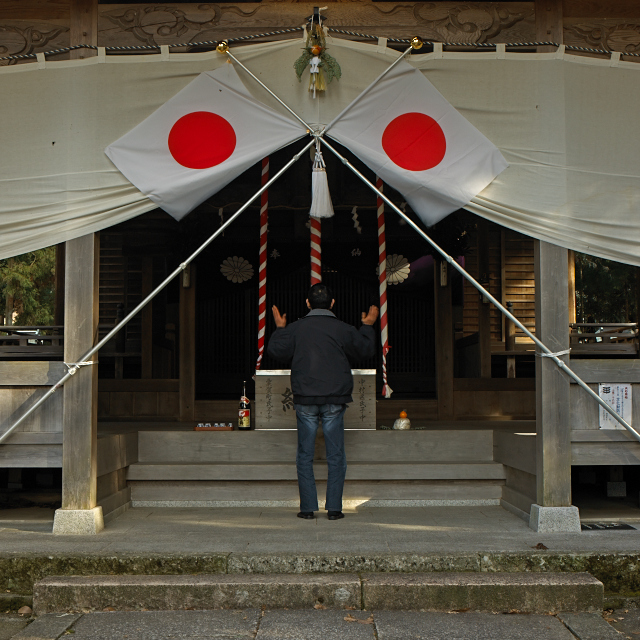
(32, 374)
(472, 300)
(30, 455)
(518, 284)
(16, 401)
(135, 405)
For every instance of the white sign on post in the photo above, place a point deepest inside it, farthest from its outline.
(618, 397)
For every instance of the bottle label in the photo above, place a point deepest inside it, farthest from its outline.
(244, 418)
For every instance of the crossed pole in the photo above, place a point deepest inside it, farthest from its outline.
(317, 135)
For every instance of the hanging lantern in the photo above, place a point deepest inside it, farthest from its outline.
(321, 206)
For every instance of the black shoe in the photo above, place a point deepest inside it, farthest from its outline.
(307, 515)
(335, 515)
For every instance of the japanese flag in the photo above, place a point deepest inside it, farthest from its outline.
(199, 141)
(403, 129)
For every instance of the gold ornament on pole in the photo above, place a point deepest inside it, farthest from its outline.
(416, 42)
(223, 46)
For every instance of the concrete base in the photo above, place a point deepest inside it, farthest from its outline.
(82, 522)
(554, 519)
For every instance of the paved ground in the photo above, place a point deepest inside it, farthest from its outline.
(277, 530)
(314, 625)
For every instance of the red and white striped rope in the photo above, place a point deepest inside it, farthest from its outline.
(316, 251)
(382, 279)
(262, 270)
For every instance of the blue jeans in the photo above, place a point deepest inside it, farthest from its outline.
(308, 416)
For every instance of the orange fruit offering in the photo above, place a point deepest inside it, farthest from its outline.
(403, 414)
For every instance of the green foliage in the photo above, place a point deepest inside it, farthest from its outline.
(331, 67)
(30, 280)
(606, 291)
(301, 63)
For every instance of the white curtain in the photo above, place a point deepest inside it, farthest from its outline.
(567, 125)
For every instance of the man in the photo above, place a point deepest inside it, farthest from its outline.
(320, 348)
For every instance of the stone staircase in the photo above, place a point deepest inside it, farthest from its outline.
(491, 592)
(385, 468)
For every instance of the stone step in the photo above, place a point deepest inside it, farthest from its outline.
(419, 446)
(173, 592)
(212, 493)
(280, 471)
(497, 592)
(493, 592)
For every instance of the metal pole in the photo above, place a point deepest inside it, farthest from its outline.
(73, 367)
(547, 352)
(375, 82)
(264, 86)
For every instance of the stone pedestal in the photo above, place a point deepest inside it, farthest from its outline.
(554, 519)
(83, 522)
(274, 400)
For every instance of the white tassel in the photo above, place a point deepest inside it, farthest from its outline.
(321, 206)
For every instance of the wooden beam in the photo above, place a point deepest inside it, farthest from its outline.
(444, 345)
(31, 374)
(549, 27)
(83, 26)
(187, 363)
(552, 386)
(80, 413)
(35, 10)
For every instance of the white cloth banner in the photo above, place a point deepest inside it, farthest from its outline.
(566, 125)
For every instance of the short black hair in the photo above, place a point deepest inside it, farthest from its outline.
(320, 296)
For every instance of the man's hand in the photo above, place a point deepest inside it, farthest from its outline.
(372, 316)
(281, 320)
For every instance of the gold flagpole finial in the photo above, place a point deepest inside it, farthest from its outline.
(223, 46)
(416, 42)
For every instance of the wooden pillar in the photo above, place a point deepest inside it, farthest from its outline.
(553, 511)
(79, 513)
(187, 343)
(146, 319)
(484, 309)
(572, 286)
(444, 344)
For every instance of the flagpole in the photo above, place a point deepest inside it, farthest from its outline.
(264, 86)
(75, 366)
(547, 353)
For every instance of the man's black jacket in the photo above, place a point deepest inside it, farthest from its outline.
(320, 348)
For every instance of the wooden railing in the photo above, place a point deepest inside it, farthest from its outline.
(31, 342)
(604, 338)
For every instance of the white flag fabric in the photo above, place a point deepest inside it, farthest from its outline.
(403, 129)
(199, 141)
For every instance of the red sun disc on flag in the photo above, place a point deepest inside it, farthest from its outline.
(414, 141)
(201, 140)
